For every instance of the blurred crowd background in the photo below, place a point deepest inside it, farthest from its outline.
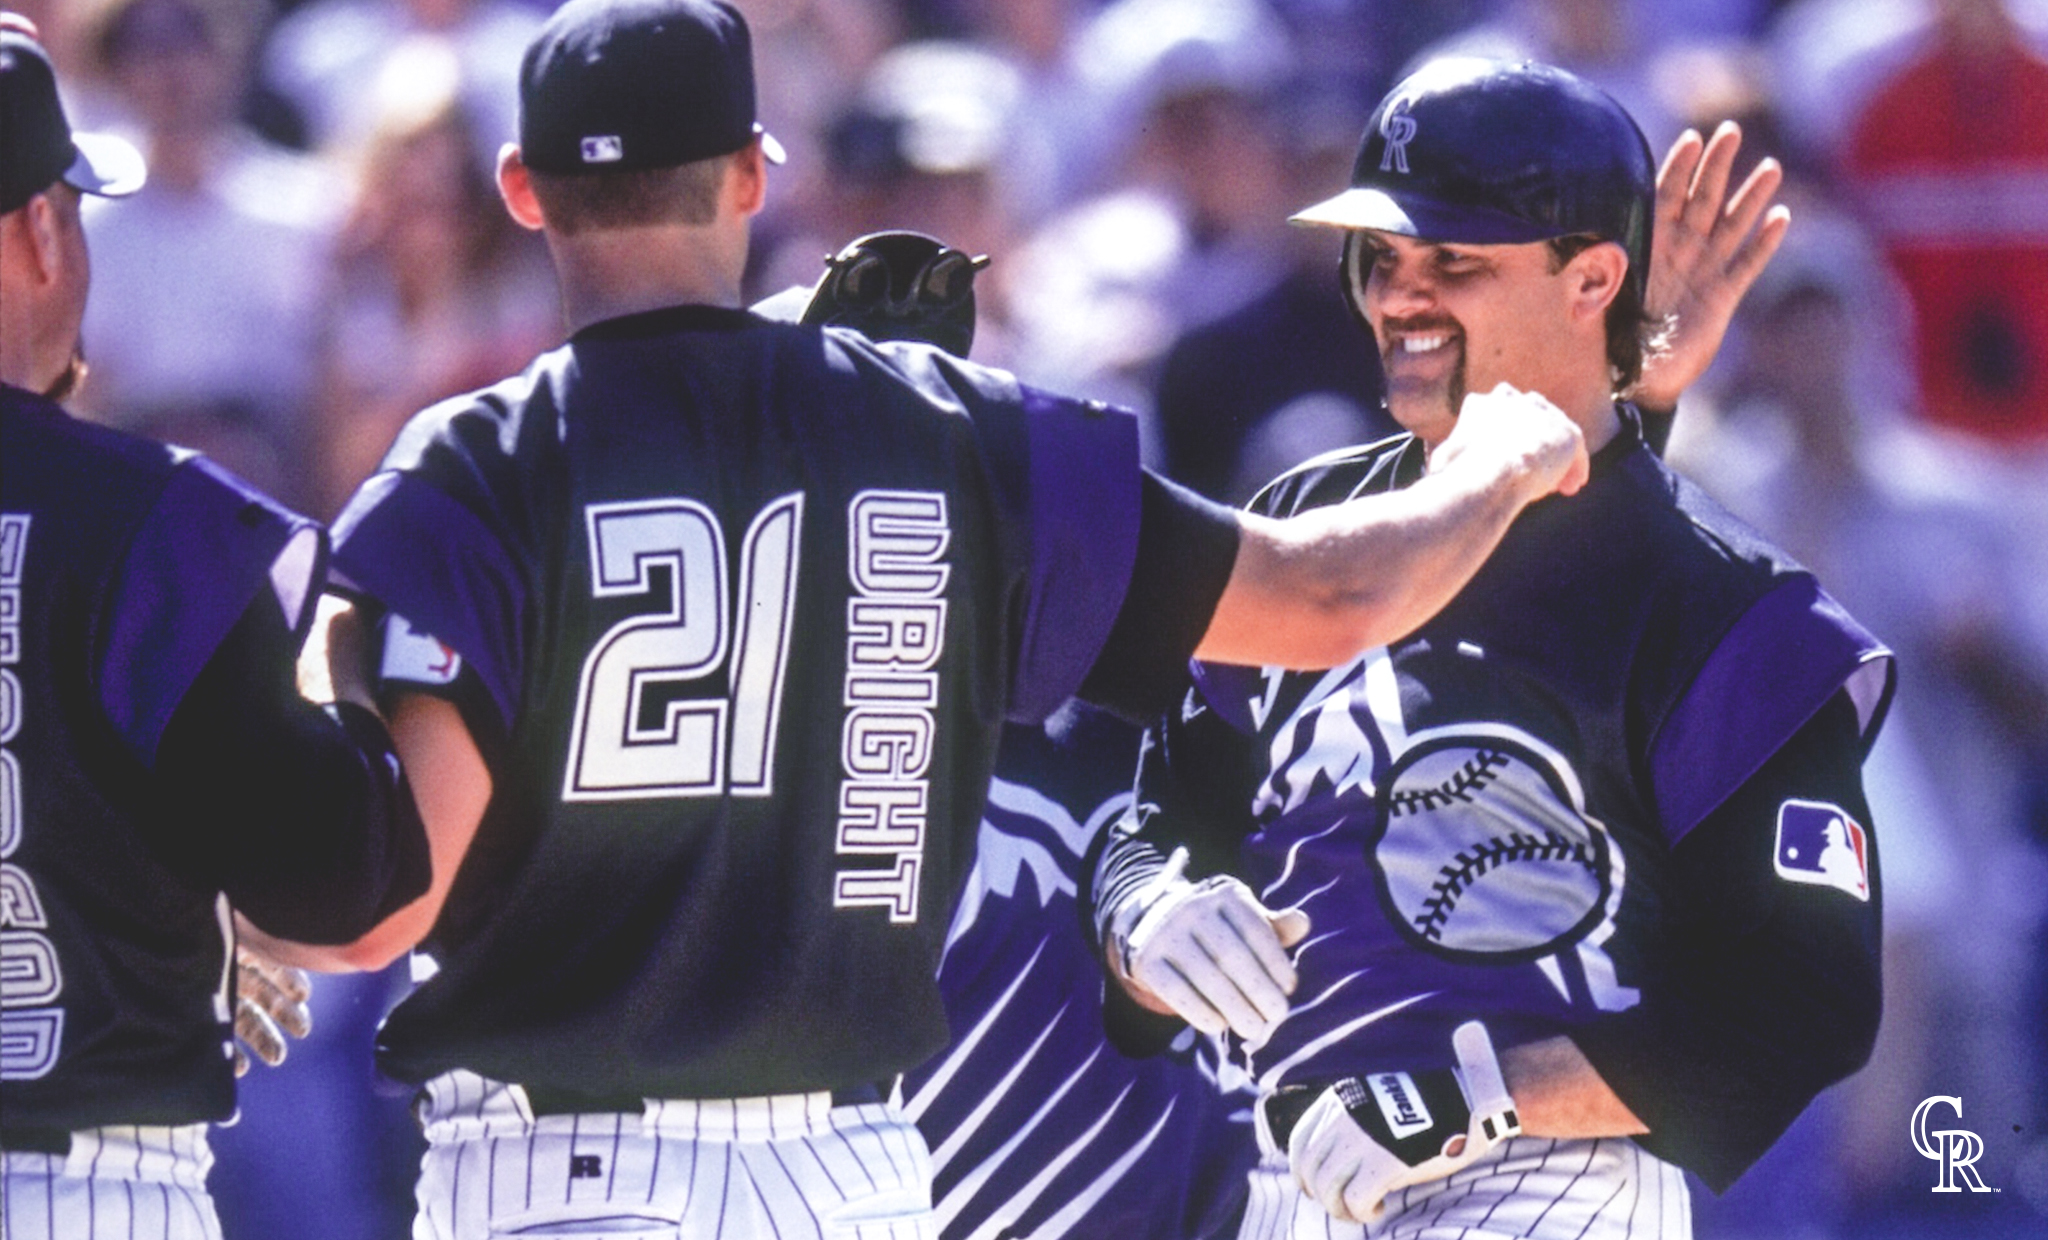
(320, 252)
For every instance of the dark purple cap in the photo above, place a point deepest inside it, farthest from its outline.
(37, 147)
(623, 85)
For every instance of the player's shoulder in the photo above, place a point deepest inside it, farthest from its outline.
(70, 451)
(513, 417)
(1686, 526)
(918, 371)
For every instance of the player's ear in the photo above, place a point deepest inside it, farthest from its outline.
(1593, 279)
(747, 178)
(515, 186)
(38, 239)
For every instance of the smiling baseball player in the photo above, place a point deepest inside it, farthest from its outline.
(1576, 885)
(738, 609)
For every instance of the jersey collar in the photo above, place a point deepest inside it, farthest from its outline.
(665, 321)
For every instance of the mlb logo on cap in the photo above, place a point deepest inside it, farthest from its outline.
(1820, 843)
(603, 150)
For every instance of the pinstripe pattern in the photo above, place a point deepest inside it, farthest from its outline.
(119, 1183)
(1530, 1188)
(790, 1167)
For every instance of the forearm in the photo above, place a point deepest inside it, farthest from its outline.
(1317, 589)
(1558, 1093)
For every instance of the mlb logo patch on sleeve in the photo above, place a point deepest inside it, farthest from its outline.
(415, 657)
(1821, 843)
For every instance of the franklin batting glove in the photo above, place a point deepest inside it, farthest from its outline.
(1209, 950)
(1365, 1137)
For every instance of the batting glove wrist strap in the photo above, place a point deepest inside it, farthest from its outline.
(1361, 1138)
(1149, 894)
(1207, 950)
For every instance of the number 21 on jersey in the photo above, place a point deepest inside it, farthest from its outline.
(694, 746)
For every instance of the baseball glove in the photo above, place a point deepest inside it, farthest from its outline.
(895, 285)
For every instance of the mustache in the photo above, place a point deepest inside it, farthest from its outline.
(1421, 324)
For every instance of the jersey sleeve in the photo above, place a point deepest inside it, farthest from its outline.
(300, 813)
(1785, 657)
(438, 563)
(1084, 514)
(1187, 546)
(209, 547)
(1771, 989)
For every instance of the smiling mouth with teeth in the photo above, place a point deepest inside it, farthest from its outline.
(1423, 344)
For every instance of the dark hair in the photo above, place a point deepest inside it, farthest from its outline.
(598, 201)
(1632, 334)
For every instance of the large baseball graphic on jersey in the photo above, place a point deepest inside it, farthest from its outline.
(1482, 853)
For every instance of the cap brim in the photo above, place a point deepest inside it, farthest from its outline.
(106, 165)
(1414, 216)
(770, 148)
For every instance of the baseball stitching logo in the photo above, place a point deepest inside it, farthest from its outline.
(1956, 1149)
(1482, 853)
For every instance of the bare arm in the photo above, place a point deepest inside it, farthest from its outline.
(1558, 1093)
(1314, 590)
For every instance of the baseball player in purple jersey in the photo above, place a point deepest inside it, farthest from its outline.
(1575, 885)
(699, 636)
(1037, 1127)
(157, 763)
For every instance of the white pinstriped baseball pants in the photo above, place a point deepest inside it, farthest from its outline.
(118, 1183)
(790, 1167)
(1526, 1188)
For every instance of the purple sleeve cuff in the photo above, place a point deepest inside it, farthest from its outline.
(433, 561)
(207, 549)
(1230, 690)
(1084, 539)
(1788, 654)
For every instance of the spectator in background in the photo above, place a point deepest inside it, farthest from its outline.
(1063, 154)
(1604, 42)
(436, 290)
(325, 57)
(1192, 228)
(1945, 154)
(922, 145)
(1286, 377)
(210, 279)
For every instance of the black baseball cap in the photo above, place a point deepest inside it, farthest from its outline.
(623, 85)
(37, 147)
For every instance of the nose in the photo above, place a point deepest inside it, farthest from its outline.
(1400, 286)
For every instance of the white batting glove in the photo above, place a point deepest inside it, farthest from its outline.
(270, 1004)
(1366, 1137)
(1210, 951)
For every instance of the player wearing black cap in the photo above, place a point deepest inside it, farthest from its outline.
(1578, 879)
(725, 617)
(158, 761)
